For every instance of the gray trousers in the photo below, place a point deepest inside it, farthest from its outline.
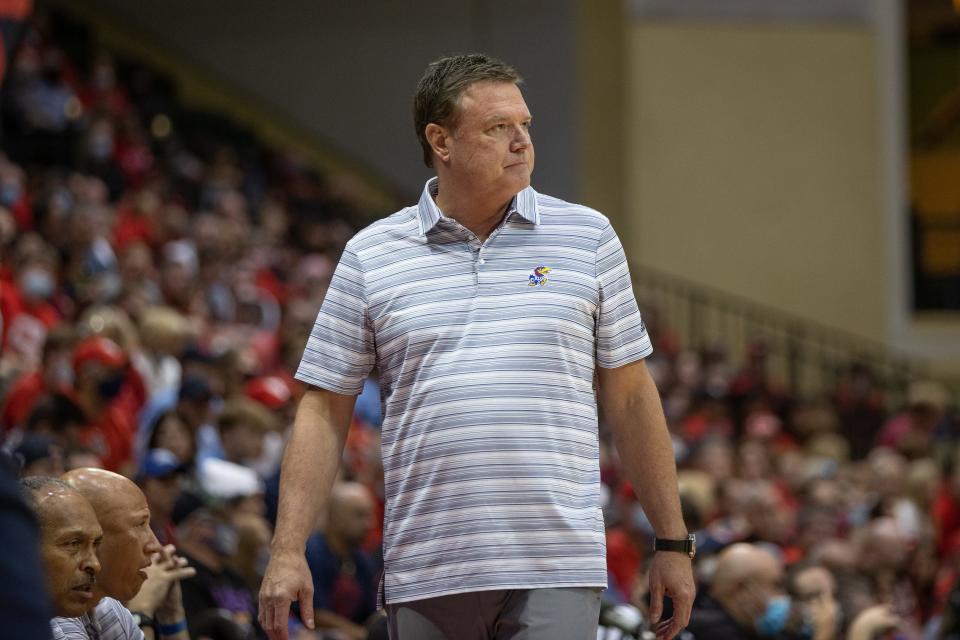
(517, 614)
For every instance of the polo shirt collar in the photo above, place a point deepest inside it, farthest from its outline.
(523, 204)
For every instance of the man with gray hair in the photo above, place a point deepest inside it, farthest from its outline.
(69, 538)
(488, 310)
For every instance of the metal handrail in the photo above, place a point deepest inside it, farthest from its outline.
(806, 356)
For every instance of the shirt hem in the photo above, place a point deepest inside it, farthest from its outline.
(496, 587)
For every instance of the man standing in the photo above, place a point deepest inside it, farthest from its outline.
(488, 310)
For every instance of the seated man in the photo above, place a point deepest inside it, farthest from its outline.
(745, 599)
(344, 576)
(136, 570)
(69, 539)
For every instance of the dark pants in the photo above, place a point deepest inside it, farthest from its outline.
(516, 614)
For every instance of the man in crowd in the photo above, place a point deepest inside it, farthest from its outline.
(488, 310)
(746, 585)
(136, 569)
(746, 600)
(101, 369)
(344, 576)
(217, 596)
(159, 478)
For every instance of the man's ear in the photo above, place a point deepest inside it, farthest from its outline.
(437, 139)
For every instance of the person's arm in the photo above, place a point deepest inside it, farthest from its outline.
(631, 408)
(309, 467)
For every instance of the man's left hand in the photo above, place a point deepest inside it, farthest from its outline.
(671, 574)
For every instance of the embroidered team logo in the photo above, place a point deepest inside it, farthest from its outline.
(538, 277)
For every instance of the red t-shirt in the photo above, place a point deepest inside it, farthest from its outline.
(24, 393)
(623, 559)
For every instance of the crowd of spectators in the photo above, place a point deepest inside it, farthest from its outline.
(159, 275)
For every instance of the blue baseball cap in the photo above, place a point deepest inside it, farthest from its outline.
(158, 463)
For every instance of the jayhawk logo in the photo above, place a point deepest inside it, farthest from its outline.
(539, 276)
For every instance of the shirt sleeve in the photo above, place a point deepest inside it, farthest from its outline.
(55, 631)
(340, 351)
(68, 629)
(621, 335)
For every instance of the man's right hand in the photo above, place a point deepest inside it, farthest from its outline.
(286, 580)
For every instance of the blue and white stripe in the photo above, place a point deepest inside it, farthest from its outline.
(109, 620)
(490, 423)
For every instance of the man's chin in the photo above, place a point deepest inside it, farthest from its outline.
(78, 603)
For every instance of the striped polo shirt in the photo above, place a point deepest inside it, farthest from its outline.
(109, 620)
(485, 353)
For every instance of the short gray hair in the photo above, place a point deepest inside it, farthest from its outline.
(32, 485)
(438, 92)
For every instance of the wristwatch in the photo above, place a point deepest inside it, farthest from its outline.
(142, 620)
(686, 545)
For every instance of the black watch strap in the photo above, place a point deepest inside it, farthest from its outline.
(142, 619)
(686, 545)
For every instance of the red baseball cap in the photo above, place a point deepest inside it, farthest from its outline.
(270, 391)
(103, 351)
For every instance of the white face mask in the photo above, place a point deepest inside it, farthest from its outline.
(37, 284)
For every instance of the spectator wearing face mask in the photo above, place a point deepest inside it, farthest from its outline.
(746, 600)
(101, 370)
(55, 375)
(26, 304)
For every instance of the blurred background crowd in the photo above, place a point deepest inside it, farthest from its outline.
(160, 270)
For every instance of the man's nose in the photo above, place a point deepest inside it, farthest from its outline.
(90, 562)
(521, 138)
(153, 545)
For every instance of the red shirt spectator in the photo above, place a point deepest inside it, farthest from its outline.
(110, 393)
